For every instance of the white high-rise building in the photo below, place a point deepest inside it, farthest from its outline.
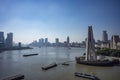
(105, 36)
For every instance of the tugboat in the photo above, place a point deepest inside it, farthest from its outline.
(88, 76)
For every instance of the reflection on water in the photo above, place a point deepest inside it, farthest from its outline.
(12, 62)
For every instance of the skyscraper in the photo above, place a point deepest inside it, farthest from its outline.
(41, 42)
(9, 40)
(2, 39)
(105, 36)
(68, 40)
(46, 40)
(57, 42)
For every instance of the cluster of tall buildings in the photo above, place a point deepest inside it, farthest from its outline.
(44, 42)
(113, 43)
(6, 42)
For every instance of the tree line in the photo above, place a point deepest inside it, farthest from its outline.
(108, 52)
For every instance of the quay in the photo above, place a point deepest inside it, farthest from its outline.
(14, 48)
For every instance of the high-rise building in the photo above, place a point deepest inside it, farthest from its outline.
(46, 40)
(9, 40)
(2, 39)
(41, 42)
(19, 44)
(68, 40)
(57, 40)
(105, 36)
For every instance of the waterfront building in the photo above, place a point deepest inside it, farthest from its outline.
(2, 37)
(105, 42)
(76, 44)
(90, 46)
(9, 40)
(68, 41)
(41, 42)
(105, 37)
(46, 41)
(105, 45)
(19, 44)
(57, 42)
(114, 41)
(2, 41)
(118, 45)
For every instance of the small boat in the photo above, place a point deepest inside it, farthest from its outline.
(88, 76)
(49, 66)
(16, 77)
(66, 64)
(26, 55)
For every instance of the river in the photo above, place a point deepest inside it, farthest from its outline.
(13, 62)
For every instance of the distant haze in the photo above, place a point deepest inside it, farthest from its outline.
(33, 19)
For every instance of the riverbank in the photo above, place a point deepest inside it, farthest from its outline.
(14, 48)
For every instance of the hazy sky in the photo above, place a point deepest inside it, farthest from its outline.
(33, 19)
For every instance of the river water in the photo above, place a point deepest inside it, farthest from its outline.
(13, 62)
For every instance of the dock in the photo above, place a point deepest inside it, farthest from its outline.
(49, 66)
(16, 77)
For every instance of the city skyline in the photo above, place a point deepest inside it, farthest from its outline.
(31, 20)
